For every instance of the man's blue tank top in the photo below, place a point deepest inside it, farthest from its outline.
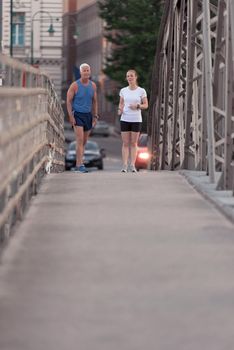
(83, 99)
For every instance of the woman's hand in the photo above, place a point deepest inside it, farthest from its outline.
(120, 111)
(134, 106)
(121, 106)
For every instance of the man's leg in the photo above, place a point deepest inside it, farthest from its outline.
(85, 137)
(79, 131)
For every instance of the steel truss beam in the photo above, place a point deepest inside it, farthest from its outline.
(191, 123)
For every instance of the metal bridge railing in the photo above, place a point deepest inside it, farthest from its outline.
(191, 119)
(31, 137)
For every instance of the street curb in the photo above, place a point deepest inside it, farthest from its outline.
(222, 200)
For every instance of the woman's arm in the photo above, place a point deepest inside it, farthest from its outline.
(121, 106)
(144, 104)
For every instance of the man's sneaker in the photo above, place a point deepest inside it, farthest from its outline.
(132, 169)
(80, 169)
(124, 169)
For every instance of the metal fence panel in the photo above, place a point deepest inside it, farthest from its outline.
(31, 137)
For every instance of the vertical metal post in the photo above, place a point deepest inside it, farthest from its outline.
(178, 54)
(228, 145)
(204, 126)
(32, 42)
(50, 30)
(208, 84)
(192, 18)
(167, 87)
(158, 114)
(157, 83)
(11, 28)
(1, 26)
(218, 50)
(231, 5)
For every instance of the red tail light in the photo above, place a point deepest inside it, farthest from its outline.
(144, 155)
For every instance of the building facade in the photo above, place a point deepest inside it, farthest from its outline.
(77, 4)
(70, 32)
(93, 48)
(34, 35)
(0, 25)
(84, 42)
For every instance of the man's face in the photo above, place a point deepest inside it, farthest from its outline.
(85, 72)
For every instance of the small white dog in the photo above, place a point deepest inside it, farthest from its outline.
(49, 163)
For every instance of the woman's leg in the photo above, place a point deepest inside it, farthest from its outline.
(134, 139)
(125, 147)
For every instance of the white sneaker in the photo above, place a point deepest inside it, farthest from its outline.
(132, 169)
(124, 169)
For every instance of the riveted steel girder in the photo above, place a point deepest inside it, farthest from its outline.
(191, 123)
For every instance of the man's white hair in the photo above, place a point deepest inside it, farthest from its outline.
(84, 65)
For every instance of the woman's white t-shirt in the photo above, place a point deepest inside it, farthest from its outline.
(132, 97)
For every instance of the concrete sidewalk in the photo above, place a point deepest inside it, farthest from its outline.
(223, 200)
(112, 261)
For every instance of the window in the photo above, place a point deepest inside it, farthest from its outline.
(18, 29)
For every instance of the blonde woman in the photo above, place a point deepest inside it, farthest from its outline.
(133, 99)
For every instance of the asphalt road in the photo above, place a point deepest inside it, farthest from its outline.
(112, 146)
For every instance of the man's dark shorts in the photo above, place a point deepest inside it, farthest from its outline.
(130, 126)
(84, 120)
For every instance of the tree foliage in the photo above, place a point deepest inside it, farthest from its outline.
(131, 26)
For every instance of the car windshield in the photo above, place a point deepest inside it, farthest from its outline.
(90, 146)
(142, 142)
(101, 124)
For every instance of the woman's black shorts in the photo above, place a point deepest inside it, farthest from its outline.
(130, 126)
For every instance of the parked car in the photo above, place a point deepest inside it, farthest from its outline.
(93, 155)
(143, 155)
(101, 128)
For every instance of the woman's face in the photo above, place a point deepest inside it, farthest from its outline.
(131, 77)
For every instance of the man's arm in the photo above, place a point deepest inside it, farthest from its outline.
(70, 95)
(95, 102)
(95, 105)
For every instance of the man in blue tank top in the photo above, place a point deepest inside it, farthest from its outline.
(82, 111)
